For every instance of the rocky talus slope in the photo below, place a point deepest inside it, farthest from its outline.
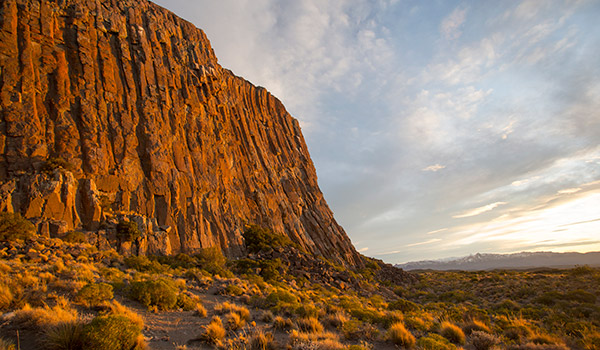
(119, 109)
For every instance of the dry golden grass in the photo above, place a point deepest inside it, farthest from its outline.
(262, 341)
(399, 335)
(6, 297)
(44, 316)
(283, 324)
(200, 310)
(309, 325)
(336, 320)
(118, 309)
(226, 307)
(476, 325)
(317, 341)
(64, 336)
(234, 321)
(452, 332)
(214, 332)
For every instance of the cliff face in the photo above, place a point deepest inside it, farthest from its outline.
(133, 99)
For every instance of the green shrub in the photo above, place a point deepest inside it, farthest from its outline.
(259, 239)
(144, 264)
(403, 305)
(434, 342)
(212, 260)
(74, 237)
(14, 226)
(186, 303)
(64, 336)
(581, 296)
(95, 294)
(128, 230)
(112, 332)
(160, 293)
(399, 335)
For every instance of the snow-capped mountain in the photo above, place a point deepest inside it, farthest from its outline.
(523, 260)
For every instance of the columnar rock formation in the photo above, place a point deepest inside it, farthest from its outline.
(133, 99)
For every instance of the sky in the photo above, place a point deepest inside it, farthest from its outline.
(438, 128)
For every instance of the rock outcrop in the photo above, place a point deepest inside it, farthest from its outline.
(120, 106)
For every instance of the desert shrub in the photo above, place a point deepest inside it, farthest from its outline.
(186, 303)
(95, 294)
(582, 270)
(309, 325)
(112, 332)
(355, 330)
(283, 324)
(143, 264)
(549, 298)
(452, 332)
(14, 226)
(307, 311)
(6, 345)
(268, 269)
(434, 342)
(366, 314)
(160, 293)
(214, 331)
(483, 340)
(234, 290)
(212, 260)
(64, 336)
(581, 296)
(403, 305)
(423, 322)
(226, 307)
(262, 341)
(128, 230)
(6, 296)
(399, 335)
(475, 325)
(317, 341)
(74, 237)
(259, 239)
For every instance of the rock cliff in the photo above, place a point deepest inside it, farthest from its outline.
(118, 108)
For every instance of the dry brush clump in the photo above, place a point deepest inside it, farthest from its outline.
(214, 332)
(399, 335)
(452, 332)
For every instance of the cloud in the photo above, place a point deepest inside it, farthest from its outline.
(480, 210)
(434, 168)
(569, 191)
(450, 26)
(437, 231)
(362, 250)
(433, 240)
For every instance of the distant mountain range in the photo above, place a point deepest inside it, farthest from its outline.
(523, 260)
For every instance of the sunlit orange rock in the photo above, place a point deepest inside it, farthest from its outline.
(134, 100)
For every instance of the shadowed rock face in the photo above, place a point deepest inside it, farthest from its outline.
(133, 98)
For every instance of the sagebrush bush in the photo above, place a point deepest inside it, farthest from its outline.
(160, 293)
(95, 294)
(483, 340)
(452, 332)
(64, 336)
(14, 226)
(399, 335)
(214, 332)
(112, 332)
(434, 342)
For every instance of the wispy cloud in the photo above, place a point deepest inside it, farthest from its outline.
(362, 250)
(450, 26)
(569, 190)
(434, 168)
(433, 240)
(437, 231)
(478, 211)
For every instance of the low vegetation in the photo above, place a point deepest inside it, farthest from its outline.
(66, 294)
